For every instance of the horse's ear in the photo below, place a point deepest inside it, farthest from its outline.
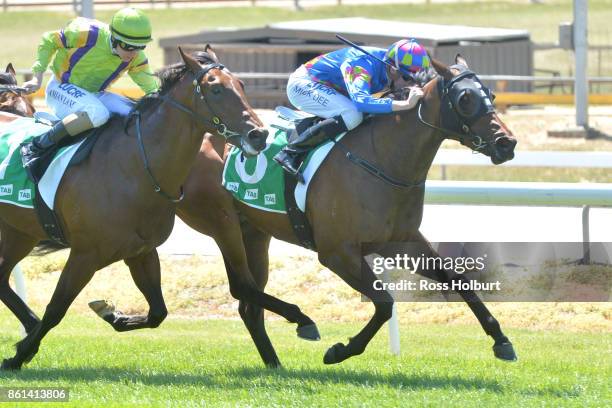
(10, 69)
(441, 69)
(192, 64)
(460, 60)
(209, 50)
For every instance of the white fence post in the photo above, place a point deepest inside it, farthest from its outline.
(87, 9)
(394, 335)
(581, 53)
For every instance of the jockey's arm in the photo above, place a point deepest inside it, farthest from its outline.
(141, 73)
(358, 78)
(51, 41)
(413, 99)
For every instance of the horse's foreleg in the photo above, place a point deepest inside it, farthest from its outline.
(14, 246)
(256, 244)
(347, 265)
(145, 270)
(502, 348)
(76, 274)
(244, 288)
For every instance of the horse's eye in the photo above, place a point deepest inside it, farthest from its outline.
(467, 105)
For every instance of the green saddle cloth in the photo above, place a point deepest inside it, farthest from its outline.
(15, 186)
(257, 181)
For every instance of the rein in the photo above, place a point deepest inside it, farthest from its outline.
(216, 122)
(477, 141)
(375, 171)
(466, 138)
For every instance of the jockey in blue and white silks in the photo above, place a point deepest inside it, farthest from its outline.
(339, 87)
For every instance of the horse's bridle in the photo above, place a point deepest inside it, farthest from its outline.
(448, 99)
(17, 90)
(453, 124)
(220, 127)
(216, 123)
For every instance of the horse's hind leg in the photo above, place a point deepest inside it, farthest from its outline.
(244, 288)
(76, 274)
(145, 270)
(346, 263)
(502, 348)
(14, 246)
(256, 244)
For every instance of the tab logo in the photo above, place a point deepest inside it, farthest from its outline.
(25, 195)
(232, 186)
(270, 199)
(6, 189)
(251, 194)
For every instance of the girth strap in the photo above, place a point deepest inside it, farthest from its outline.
(297, 219)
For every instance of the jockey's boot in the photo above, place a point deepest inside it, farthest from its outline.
(41, 144)
(292, 155)
(71, 125)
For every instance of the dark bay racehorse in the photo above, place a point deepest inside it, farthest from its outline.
(11, 99)
(347, 205)
(119, 204)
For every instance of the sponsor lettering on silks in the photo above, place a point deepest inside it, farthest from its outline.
(251, 194)
(71, 90)
(61, 98)
(6, 190)
(233, 186)
(25, 195)
(270, 199)
(318, 97)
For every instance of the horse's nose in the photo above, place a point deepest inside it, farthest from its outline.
(505, 146)
(257, 138)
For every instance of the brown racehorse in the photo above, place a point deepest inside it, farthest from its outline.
(347, 205)
(11, 99)
(119, 204)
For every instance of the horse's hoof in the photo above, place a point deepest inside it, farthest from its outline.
(309, 332)
(504, 351)
(274, 365)
(8, 364)
(103, 308)
(334, 354)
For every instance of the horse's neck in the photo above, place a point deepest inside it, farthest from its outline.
(172, 141)
(403, 147)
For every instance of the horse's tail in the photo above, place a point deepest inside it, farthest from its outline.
(47, 246)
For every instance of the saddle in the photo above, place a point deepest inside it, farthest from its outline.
(299, 121)
(47, 217)
(300, 224)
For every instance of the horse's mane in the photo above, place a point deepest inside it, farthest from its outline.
(169, 76)
(420, 79)
(423, 77)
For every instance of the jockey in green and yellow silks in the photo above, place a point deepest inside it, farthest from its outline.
(86, 57)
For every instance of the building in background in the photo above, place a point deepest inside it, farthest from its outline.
(282, 47)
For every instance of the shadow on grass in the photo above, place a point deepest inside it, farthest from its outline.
(242, 377)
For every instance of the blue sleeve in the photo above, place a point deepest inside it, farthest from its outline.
(357, 76)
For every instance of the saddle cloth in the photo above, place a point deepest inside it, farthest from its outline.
(15, 186)
(258, 181)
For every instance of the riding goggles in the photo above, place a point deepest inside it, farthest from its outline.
(128, 47)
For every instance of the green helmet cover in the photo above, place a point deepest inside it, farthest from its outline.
(131, 26)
